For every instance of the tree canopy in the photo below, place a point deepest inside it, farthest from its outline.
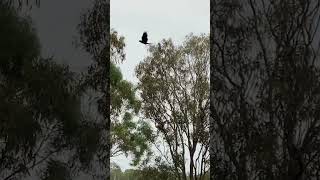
(174, 86)
(265, 89)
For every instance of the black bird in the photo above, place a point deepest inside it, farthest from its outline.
(144, 38)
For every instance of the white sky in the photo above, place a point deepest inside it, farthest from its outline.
(162, 20)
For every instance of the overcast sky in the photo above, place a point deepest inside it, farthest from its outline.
(56, 23)
(161, 19)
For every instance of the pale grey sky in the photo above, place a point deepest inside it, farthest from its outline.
(56, 24)
(161, 19)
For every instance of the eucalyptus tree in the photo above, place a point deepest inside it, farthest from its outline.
(174, 87)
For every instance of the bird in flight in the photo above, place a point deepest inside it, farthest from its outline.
(144, 38)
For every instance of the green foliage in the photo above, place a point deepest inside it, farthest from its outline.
(157, 172)
(122, 92)
(133, 137)
(147, 173)
(128, 136)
